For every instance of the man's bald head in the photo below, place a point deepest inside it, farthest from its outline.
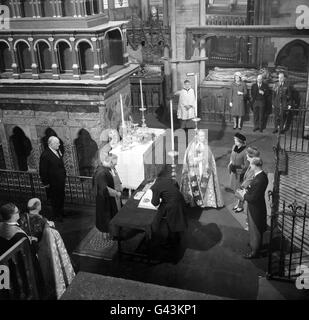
(53, 143)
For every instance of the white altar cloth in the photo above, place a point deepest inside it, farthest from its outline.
(130, 165)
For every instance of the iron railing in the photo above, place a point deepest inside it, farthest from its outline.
(20, 186)
(295, 136)
(289, 242)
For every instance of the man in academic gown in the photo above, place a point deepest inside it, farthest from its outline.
(254, 194)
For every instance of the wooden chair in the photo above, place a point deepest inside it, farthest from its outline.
(23, 283)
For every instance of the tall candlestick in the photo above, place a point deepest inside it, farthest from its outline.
(141, 88)
(195, 82)
(172, 125)
(122, 114)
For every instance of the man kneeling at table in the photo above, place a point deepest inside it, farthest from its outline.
(171, 208)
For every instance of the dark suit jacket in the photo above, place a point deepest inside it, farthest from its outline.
(52, 170)
(172, 204)
(282, 96)
(255, 196)
(255, 95)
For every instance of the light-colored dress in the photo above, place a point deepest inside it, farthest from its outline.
(199, 183)
(186, 98)
(238, 108)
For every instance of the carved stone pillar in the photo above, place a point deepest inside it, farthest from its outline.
(75, 66)
(78, 8)
(104, 66)
(34, 60)
(173, 44)
(124, 48)
(38, 8)
(53, 5)
(15, 66)
(96, 59)
(33, 8)
(18, 8)
(202, 62)
(55, 67)
(101, 9)
(13, 9)
(5, 147)
(58, 4)
(74, 8)
(91, 7)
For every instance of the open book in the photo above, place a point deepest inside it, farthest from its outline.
(145, 202)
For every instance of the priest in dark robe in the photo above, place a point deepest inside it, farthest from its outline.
(166, 195)
(10, 231)
(105, 193)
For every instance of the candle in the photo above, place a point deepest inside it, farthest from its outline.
(172, 125)
(195, 82)
(141, 88)
(122, 114)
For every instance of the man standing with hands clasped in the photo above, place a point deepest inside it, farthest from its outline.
(53, 174)
(259, 93)
(282, 98)
(254, 194)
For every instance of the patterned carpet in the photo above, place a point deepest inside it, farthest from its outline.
(95, 246)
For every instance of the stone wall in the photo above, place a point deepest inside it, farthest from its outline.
(67, 119)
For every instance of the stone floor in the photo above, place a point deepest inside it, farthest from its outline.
(210, 259)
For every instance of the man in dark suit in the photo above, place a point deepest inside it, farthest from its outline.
(259, 91)
(282, 103)
(53, 174)
(254, 194)
(166, 195)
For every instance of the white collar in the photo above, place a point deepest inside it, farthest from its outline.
(55, 152)
(258, 173)
(12, 223)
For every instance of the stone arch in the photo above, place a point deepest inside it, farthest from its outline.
(113, 47)
(294, 55)
(83, 40)
(64, 56)
(41, 40)
(85, 54)
(23, 56)
(44, 56)
(21, 40)
(62, 40)
(5, 57)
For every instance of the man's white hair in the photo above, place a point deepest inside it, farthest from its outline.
(52, 139)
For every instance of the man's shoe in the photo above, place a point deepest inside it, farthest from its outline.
(275, 131)
(239, 210)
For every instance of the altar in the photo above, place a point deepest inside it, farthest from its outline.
(131, 162)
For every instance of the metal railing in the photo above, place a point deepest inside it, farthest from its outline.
(20, 186)
(295, 137)
(289, 242)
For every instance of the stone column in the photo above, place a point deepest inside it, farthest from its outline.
(173, 44)
(53, 4)
(74, 8)
(58, 5)
(101, 9)
(5, 145)
(91, 7)
(34, 60)
(55, 67)
(78, 8)
(15, 66)
(306, 129)
(96, 59)
(38, 8)
(33, 8)
(124, 48)
(18, 9)
(165, 13)
(13, 8)
(145, 9)
(75, 67)
(202, 62)
(104, 66)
